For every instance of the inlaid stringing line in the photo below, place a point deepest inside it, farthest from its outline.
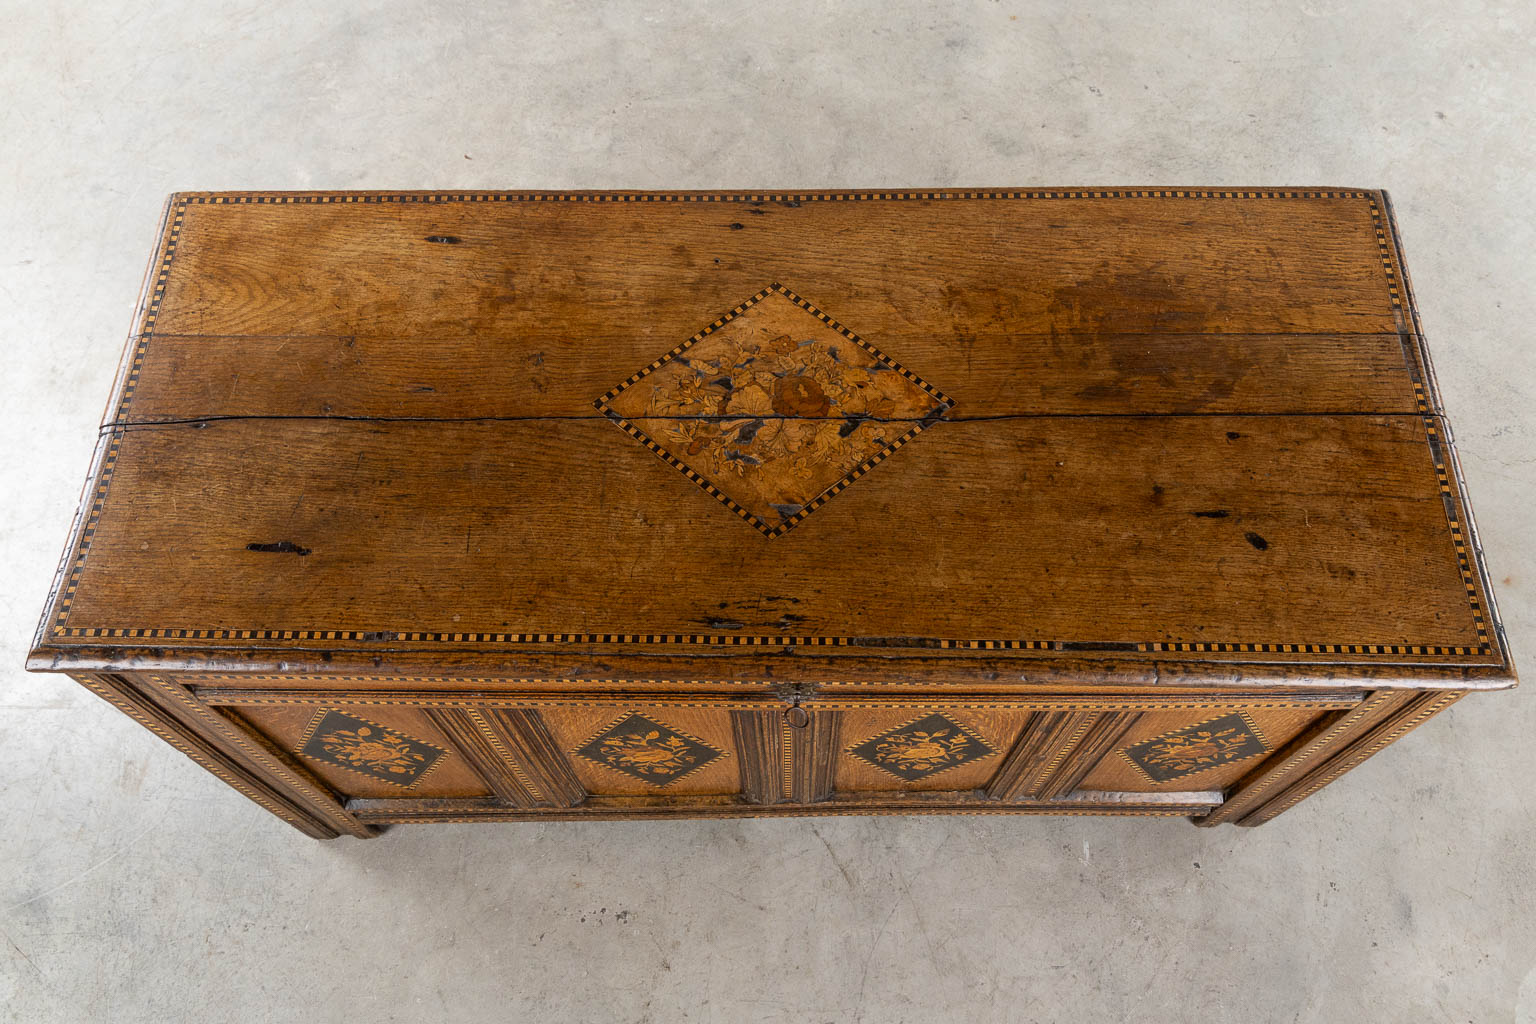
(130, 386)
(763, 197)
(746, 640)
(152, 310)
(1384, 249)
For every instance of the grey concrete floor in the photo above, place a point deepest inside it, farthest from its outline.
(134, 887)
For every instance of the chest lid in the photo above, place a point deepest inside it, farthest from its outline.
(552, 432)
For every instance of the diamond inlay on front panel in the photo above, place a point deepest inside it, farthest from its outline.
(774, 408)
(919, 749)
(368, 748)
(647, 750)
(1195, 748)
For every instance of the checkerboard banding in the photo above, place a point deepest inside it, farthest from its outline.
(782, 197)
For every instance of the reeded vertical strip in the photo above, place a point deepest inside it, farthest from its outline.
(1047, 737)
(534, 749)
(813, 756)
(1099, 738)
(760, 754)
(471, 737)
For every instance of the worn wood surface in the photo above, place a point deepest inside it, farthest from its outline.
(352, 420)
(1301, 531)
(525, 503)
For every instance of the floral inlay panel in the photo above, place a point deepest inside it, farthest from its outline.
(647, 750)
(925, 747)
(1195, 748)
(774, 408)
(369, 748)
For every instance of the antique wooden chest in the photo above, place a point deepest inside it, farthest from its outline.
(416, 507)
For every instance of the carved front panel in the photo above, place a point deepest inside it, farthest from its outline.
(532, 754)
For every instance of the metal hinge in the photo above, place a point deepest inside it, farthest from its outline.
(793, 693)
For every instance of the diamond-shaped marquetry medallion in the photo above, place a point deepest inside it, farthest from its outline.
(1195, 748)
(369, 748)
(647, 750)
(923, 748)
(774, 408)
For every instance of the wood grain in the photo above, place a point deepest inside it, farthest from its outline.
(1103, 733)
(1344, 754)
(1043, 742)
(1283, 530)
(1328, 732)
(572, 728)
(996, 728)
(604, 808)
(1118, 773)
(899, 269)
(482, 749)
(760, 751)
(286, 728)
(1000, 374)
(267, 793)
(524, 734)
(813, 739)
(1065, 501)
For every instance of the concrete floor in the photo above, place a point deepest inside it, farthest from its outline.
(135, 887)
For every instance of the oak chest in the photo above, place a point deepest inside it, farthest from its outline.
(416, 507)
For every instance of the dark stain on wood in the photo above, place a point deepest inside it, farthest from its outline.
(282, 547)
(1096, 645)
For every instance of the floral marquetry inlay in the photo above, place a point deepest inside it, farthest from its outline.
(922, 748)
(774, 408)
(647, 750)
(1195, 748)
(389, 755)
